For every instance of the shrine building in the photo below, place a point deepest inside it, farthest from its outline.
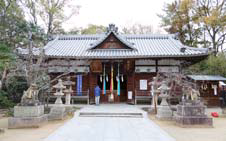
(121, 64)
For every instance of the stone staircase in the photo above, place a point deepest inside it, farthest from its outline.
(109, 114)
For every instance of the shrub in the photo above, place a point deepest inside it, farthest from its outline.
(4, 101)
(15, 87)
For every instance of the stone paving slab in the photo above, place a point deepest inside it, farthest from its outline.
(110, 129)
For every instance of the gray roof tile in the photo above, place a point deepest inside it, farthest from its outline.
(147, 45)
(207, 77)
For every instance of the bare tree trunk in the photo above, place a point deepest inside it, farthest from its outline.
(4, 75)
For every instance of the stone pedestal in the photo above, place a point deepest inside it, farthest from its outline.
(27, 117)
(190, 114)
(68, 99)
(164, 112)
(28, 111)
(58, 100)
(224, 111)
(57, 113)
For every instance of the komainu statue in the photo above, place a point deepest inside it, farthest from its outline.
(195, 95)
(191, 94)
(30, 97)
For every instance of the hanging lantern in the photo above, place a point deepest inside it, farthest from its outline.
(100, 78)
(107, 78)
(122, 78)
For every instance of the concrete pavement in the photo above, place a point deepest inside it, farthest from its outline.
(109, 128)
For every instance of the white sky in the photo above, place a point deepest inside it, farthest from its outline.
(120, 12)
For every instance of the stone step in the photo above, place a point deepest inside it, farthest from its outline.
(100, 114)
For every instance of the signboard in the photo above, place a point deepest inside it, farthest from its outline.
(79, 62)
(145, 62)
(143, 85)
(81, 69)
(96, 66)
(168, 62)
(130, 94)
(168, 69)
(145, 69)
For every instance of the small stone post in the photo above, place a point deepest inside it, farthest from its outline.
(68, 90)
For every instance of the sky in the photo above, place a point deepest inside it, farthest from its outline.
(122, 13)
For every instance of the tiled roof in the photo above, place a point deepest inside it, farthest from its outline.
(207, 77)
(121, 39)
(142, 46)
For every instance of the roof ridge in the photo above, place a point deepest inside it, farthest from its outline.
(147, 36)
(166, 36)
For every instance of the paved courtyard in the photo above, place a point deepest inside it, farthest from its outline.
(110, 128)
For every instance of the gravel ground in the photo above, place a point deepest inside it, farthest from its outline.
(218, 132)
(29, 134)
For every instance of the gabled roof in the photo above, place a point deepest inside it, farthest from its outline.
(142, 46)
(112, 30)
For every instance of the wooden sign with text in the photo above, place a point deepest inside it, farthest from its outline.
(96, 66)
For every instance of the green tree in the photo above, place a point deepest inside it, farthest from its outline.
(14, 31)
(74, 31)
(213, 65)
(11, 20)
(217, 65)
(6, 57)
(52, 14)
(179, 18)
(212, 14)
(31, 8)
(191, 20)
(93, 29)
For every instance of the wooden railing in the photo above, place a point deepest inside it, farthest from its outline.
(84, 95)
(142, 95)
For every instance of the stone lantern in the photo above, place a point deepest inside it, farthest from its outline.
(58, 111)
(163, 93)
(59, 91)
(164, 111)
(68, 90)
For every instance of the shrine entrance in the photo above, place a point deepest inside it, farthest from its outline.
(113, 83)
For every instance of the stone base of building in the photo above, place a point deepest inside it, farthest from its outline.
(27, 122)
(57, 113)
(164, 113)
